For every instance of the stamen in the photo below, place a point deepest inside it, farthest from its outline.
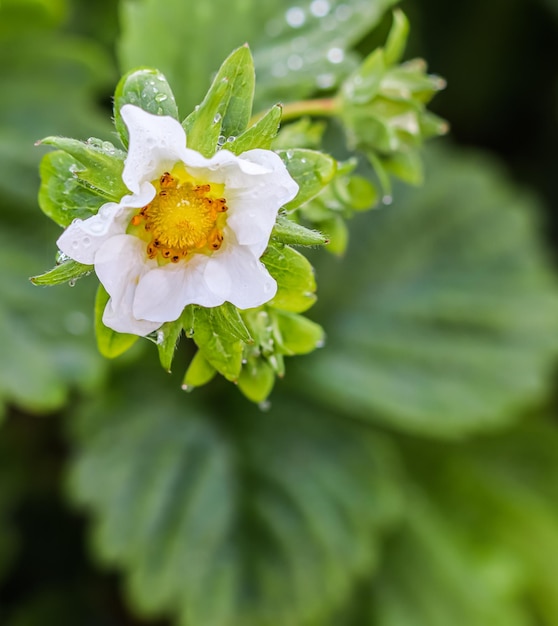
(183, 218)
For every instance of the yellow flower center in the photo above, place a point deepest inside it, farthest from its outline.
(184, 217)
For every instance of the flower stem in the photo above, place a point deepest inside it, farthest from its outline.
(320, 107)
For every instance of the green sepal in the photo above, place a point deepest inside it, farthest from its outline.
(288, 232)
(100, 164)
(297, 334)
(62, 195)
(110, 343)
(296, 284)
(199, 372)
(65, 272)
(218, 337)
(312, 171)
(260, 135)
(226, 109)
(397, 38)
(147, 89)
(167, 339)
(256, 379)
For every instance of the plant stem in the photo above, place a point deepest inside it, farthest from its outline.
(320, 107)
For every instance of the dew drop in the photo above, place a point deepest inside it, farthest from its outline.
(335, 55)
(295, 62)
(189, 333)
(221, 140)
(244, 361)
(75, 244)
(160, 337)
(319, 8)
(295, 17)
(61, 257)
(217, 118)
(231, 139)
(320, 343)
(161, 97)
(265, 405)
(325, 81)
(290, 154)
(108, 147)
(268, 287)
(387, 199)
(86, 241)
(72, 283)
(197, 107)
(188, 388)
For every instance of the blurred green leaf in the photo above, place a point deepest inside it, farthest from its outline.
(289, 232)
(299, 48)
(431, 577)
(449, 323)
(199, 372)
(145, 88)
(236, 518)
(47, 340)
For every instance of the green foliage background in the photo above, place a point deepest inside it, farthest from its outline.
(406, 474)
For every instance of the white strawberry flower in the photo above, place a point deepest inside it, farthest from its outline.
(191, 231)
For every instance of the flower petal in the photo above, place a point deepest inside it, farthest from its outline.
(164, 291)
(240, 278)
(256, 189)
(119, 264)
(156, 143)
(83, 238)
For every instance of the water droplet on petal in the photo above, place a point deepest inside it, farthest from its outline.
(75, 244)
(295, 17)
(86, 241)
(268, 287)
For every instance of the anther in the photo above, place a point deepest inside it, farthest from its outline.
(136, 220)
(166, 180)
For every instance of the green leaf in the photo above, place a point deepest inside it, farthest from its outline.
(110, 343)
(289, 232)
(199, 372)
(432, 577)
(67, 271)
(167, 340)
(397, 38)
(298, 334)
(311, 170)
(219, 333)
(256, 379)
(449, 322)
(198, 507)
(100, 164)
(225, 111)
(259, 135)
(295, 278)
(48, 348)
(338, 233)
(145, 88)
(63, 196)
